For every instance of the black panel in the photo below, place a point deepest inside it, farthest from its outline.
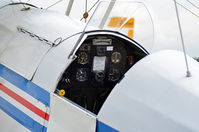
(102, 61)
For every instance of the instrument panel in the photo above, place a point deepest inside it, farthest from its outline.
(101, 63)
(104, 57)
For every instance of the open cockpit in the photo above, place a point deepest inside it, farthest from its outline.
(101, 63)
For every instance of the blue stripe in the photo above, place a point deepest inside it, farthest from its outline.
(25, 85)
(20, 117)
(44, 129)
(101, 127)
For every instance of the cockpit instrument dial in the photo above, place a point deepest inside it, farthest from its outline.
(101, 50)
(99, 76)
(82, 58)
(113, 75)
(116, 57)
(81, 75)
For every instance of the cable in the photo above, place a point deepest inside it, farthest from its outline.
(188, 10)
(193, 4)
(54, 4)
(60, 40)
(91, 8)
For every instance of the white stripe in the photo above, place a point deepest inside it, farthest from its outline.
(23, 94)
(22, 108)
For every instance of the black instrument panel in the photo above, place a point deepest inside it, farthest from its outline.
(105, 58)
(101, 63)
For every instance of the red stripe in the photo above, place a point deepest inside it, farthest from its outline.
(24, 102)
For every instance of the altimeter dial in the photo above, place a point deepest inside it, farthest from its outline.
(99, 76)
(81, 75)
(82, 58)
(113, 75)
(116, 57)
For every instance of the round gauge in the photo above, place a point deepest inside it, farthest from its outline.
(116, 57)
(113, 75)
(99, 76)
(81, 75)
(82, 58)
(101, 50)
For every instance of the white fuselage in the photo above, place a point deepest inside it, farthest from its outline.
(35, 46)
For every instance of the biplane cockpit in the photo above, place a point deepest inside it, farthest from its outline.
(101, 63)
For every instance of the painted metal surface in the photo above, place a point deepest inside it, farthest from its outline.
(67, 117)
(54, 64)
(4, 2)
(39, 21)
(25, 85)
(23, 101)
(155, 95)
(23, 53)
(101, 127)
(7, 120)
(20, 101)
(152, 96)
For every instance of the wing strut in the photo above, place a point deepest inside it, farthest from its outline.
(188, 74)
(108, 11)
(70, 4)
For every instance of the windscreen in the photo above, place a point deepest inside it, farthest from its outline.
(129, 18)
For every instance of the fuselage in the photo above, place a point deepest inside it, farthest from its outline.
(109, 81)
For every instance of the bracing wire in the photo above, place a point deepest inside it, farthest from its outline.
(188, 10)
(54, 4)
(91, 8)
(192, 4)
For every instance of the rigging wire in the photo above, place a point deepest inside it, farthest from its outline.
(71, 55)
(90, 9)
(54, 4)
(188, 10)
(188, 74)
(193, 4)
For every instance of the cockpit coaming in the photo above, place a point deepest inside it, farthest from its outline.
(101, 63)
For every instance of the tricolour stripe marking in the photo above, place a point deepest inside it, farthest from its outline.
(25, 85)
(23, 94)
(24, 102)
(22, 108)
(21, 117)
